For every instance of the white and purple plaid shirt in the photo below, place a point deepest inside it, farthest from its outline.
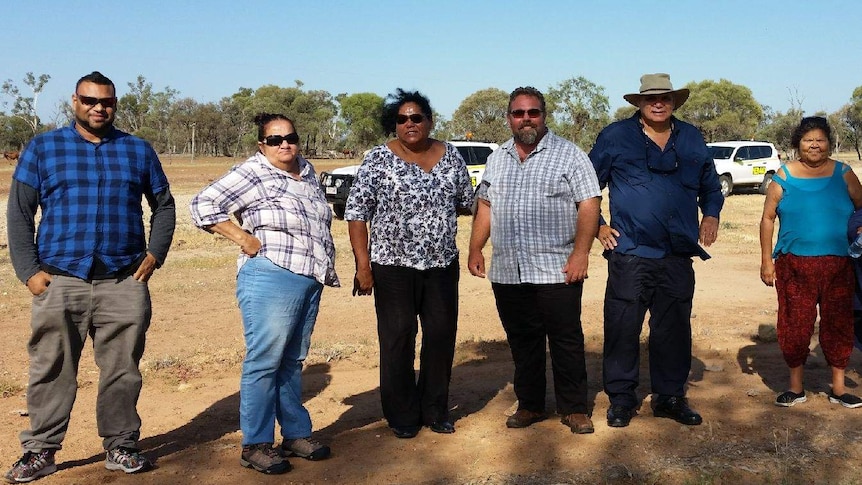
(290, 217)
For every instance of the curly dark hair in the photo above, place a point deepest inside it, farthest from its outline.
(263, 119)
(396, 100)
(808, 124)
(526, 91)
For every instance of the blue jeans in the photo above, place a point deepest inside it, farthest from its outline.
(278, 312)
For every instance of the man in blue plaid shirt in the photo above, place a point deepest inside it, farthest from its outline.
(87, 268)
(539, 204)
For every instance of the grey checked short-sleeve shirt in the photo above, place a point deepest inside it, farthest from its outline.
(534, 208)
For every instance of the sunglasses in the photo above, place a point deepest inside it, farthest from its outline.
(415, 118)
(520, 113)
(277, 140)
(91, 101)
(665, 162)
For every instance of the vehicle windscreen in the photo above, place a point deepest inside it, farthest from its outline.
(720, 153)
(474, 155)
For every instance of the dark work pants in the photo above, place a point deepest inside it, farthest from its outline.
(532, 315)
(665, 287)
(400, 295)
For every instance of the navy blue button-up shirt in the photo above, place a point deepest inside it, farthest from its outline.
(654, 193)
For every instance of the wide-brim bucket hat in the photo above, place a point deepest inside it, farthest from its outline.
(659, 83)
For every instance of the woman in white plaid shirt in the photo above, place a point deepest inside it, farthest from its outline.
(287, 256)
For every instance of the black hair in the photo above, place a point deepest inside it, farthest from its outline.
(263, 119)
(526, 91)
(808, 124)
(96, 77)
(395, 101)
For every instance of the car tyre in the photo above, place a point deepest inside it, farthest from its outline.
(338, 210)
(764, 186)
(726, 185)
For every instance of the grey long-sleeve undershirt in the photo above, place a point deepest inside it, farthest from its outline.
(21, 226)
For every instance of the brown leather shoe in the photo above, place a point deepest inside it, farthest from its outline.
(523, 418)
(579, 423)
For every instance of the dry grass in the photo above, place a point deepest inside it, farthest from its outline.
(9, 388)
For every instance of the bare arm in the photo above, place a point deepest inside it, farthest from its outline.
(586, 230)
(767, 230)
(363, 281)
(854, 188)
(479, 235)
(249, 244)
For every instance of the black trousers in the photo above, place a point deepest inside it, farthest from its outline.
(400, 295)
(665, 287)
(535, 314)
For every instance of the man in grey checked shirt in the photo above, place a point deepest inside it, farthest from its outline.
(539, 204)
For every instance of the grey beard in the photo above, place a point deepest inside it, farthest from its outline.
(527, 135)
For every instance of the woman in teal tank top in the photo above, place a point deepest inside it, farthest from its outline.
(813, 198)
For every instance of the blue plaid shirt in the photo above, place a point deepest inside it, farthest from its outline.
(90, 195)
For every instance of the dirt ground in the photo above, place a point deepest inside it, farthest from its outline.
(194, 352)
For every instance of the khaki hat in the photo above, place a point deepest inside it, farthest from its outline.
(659, 83)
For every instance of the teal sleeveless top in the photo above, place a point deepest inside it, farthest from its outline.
(813, 214)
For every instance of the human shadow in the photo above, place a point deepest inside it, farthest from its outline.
(482, 370)
(764, 358)
(644, 389)
(476, 379)
(213, 423)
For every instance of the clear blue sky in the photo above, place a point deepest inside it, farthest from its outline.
(781, 50)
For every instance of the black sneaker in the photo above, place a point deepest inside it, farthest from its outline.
(847, 400)
(263, 458)
(31, 466)
(789, 398)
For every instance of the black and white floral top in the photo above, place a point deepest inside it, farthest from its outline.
(412, 214)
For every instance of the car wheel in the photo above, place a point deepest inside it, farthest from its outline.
(338, 209)
(726, 185)
(767, 179)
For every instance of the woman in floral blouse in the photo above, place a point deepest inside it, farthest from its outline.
(407, 195)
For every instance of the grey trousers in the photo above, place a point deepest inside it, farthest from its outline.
(116, 315)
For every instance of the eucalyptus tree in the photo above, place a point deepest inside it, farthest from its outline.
(482, 115)
(24, 106)
(578, 110)
(722, 110)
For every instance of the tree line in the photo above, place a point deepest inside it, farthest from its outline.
(348, 123)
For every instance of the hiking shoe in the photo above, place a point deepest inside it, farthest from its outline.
(523, 418)
(847, 400)
(263, 458)
(32, 466)
(124, 459)
(789, 398)
(305, 448)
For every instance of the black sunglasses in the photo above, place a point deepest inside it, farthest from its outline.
(665, 162)
(91, 101)
(532, 113)
(277, 140)
(415, 118)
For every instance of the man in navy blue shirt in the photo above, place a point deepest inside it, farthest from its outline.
(87, 268)
(659, 173)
